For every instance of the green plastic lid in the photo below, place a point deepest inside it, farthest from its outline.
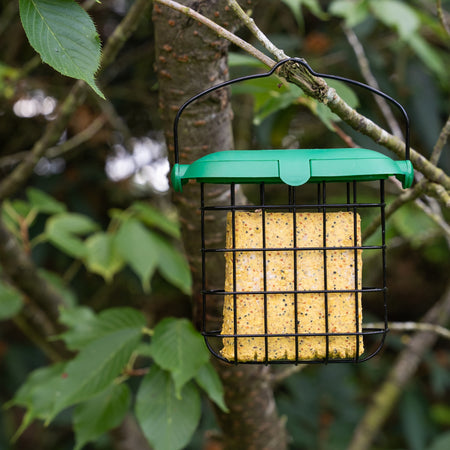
(292, 167)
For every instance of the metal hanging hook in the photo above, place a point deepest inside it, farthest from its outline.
(312, 72)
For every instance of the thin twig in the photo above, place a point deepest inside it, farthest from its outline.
(440, 143)
(280, 375)
(413, 326)
(260, 36)
(364, 66)
(220, 31)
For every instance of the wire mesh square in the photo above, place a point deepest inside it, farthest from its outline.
(294, 275)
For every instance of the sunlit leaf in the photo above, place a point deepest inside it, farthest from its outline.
(167, 420)
(64, 35)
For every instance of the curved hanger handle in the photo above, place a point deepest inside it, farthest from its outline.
(312, 72)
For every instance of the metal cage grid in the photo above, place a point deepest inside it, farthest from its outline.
(339, 178)
(348, 202)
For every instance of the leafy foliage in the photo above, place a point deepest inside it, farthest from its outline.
(65, 37)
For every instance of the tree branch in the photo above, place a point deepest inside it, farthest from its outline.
(364, 66)
(440, 143)
(19, 268)
(260, 36)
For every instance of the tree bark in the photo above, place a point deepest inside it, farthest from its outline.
(190, 58)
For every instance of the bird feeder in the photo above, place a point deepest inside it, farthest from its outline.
(293, 288)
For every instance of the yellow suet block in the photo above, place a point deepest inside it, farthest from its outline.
(340, 264)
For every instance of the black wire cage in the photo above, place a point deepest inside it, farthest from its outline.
(293, 283)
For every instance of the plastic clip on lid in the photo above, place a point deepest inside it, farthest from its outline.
(292, 167)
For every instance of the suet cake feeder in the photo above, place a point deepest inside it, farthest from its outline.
(293, 286)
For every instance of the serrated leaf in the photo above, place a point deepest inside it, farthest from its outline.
(139, 248)
(37, 395)
(209, 381)
(154, 218)
(173, 266)
(62, 230)
(101, 413)
(85, 327)
(102, 256)
(95, 368)
(180, 349)
(11, 301)
(64, 35)
(168, 421)
(44, 203)
(396, 14)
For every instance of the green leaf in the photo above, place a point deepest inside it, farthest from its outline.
(139, 248)
(101, 413)
(64, 35)
(397, 15)
(180, 349)
(37, 394)
(95, 367)
(352, 12)
(168, 421)
(44, 203)
(62, 230)
(154, 218)
(11, 301)
(209, 381)
(173, 266)
(102, 256)
(85, 327)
